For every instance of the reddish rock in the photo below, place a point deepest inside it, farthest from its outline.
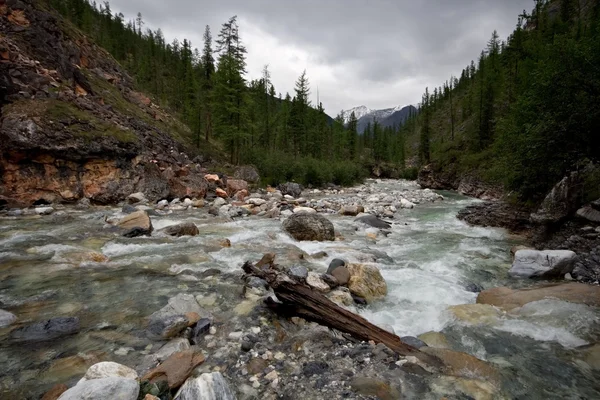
(55, 392)
(212, 178)
(175, 369)
(236, 185)
(241, 195)
(221, 193)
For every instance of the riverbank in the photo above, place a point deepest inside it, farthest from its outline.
(430, 260)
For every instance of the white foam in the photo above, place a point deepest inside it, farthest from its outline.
(541, 332)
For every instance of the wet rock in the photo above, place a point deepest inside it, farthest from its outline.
(136, 198)
(336, 262)
(172, 325)
(178, 305)
(464, 365)
(508, 299)
(108, 369)
(47, 330)
(407, 204)
(105, 388)
(291, 189)
(135, 232)
(184, 229)
(340, 272)
(352, 211)
(374, 387)
(366, 282)
(128, 209)
(330, 280)
(175, 369)
(298, 272)
(542, 264)
(6, 318)
(209, 386)
(174, 346)
(476, 314)
(373, 221)
(219, 202)
(587, 267)
(55, 392)
(413, 341)
(496, 214)
(309, 227)
(247, 173)
(591, 356)
(313, 368)
(315, 281)
(65, 368)
(137, 220)
(200, 329)
(473, 288)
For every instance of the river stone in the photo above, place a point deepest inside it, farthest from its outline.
(592, 356)
(209, 386)
(200, 329)
(174, 346)
(309, 227)
(175, 369)
(366, 282)
(138, 219)
(6, 318)
(103, 389)
(247, 173)
(330, 280)
(315, 281)
(406, 204)
(373, 221)
(464, 365)
(413, 341)
(374, 387)
(108, 369)
(298, 272)
(47, 330)
(291, 189)
(44, 210)
(55, 392)
(509, 299)
(542, 264)
(589, 213)
(476, 314)
(138, 197)
(341, 274)
(468, 388)
(128, 209)
(181, 304)
(351, 211)
(236, 185)
(171, 325)
(341, 297)
(336, 262)
(184, 229)
(304, 210)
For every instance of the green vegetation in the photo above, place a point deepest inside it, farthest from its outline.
(287, 137)
(528, 112)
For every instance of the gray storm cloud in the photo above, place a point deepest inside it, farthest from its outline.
(379, 53)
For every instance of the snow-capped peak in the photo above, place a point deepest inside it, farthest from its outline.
(359, 112)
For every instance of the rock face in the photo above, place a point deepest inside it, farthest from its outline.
(508, 299)
(184, 229)
(366, 282)
(562, 201)
(105, 388)
(211, 386)
(47, 330)
(429, 177)
(309, 227)
(496, 214)
(73, 126)
(542, 264)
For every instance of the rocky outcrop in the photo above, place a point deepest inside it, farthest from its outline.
(543, 264)
(432, 178)
(497, 214)
(309, 227)
(72, 125)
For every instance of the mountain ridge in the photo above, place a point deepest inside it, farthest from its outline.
(386, 117)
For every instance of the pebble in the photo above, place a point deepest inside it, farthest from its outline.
(123, 351)
(235, 335)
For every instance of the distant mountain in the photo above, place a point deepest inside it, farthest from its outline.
(386, 117)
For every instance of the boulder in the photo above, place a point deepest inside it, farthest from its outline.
(247, 173)
(6, 318)
(172, 325)
(108, 369)
(309, 227)
(304, 210)
(182, 304)
(315, 281)
(476, 314)
(221, 193)
(47, 330)
(291, 189)
(542, 264)
(212, 178)
(341, 296)
(104, 388)
(135, 198)
(236, 185)
(366, 282)
(373, 221)
(208, 386)
(175, 369)
(589, 213)
(137, 220)
(509, 299)
(44, 210)
(352, 211)
(55, 392)
(464, 365)
(174, 346)
(406, 204)
(413, 341)
(337, 269)
(435, 339)
(298, 272)
(184, 229)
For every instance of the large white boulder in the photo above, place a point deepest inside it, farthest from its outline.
(542, 264)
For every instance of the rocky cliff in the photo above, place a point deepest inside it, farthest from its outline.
(72, 124)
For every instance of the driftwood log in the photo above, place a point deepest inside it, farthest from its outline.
(300, 300)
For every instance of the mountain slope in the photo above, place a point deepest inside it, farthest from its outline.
(72, 123)
(387, 117)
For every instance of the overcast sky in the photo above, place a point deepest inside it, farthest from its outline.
(378, 53)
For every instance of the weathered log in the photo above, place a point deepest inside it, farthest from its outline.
(302, 301)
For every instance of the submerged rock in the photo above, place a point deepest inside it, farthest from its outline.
(139, 220)
(509, 299)
(175, 369)
(6, 318)
(373, 221)
(542, 264)
(210, 386)
(108, 369)
(104, 388)
(183, 229)
(435, 339)
(47, 330)
(309, 227)
(366, 282)
(465, 365)
(375, 388)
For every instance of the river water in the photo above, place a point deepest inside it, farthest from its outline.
(71, 264)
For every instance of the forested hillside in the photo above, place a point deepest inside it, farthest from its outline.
(285, 136)
(527, 111)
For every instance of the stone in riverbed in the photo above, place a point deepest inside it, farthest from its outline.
(435, 339)
(374, 387)
(105, 388)
(172, 325)
(352, 211)
(175, 369)
(464, 365)
(137, 220)
(337, 269)
(236, 185)
(44, 210)
(184, 229)
(309, 227)
(298, 272)
(290, 188)
(413, 341)
(476, 314)
(47, 330)
(55, 392)
(108, 369)
(315, 281)
(135, 198)
(366, 282)
(6, 318)
(341, 297)
(373, 221)
(304, 210)
(178, 305)
(209, 386)
(542, 264)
